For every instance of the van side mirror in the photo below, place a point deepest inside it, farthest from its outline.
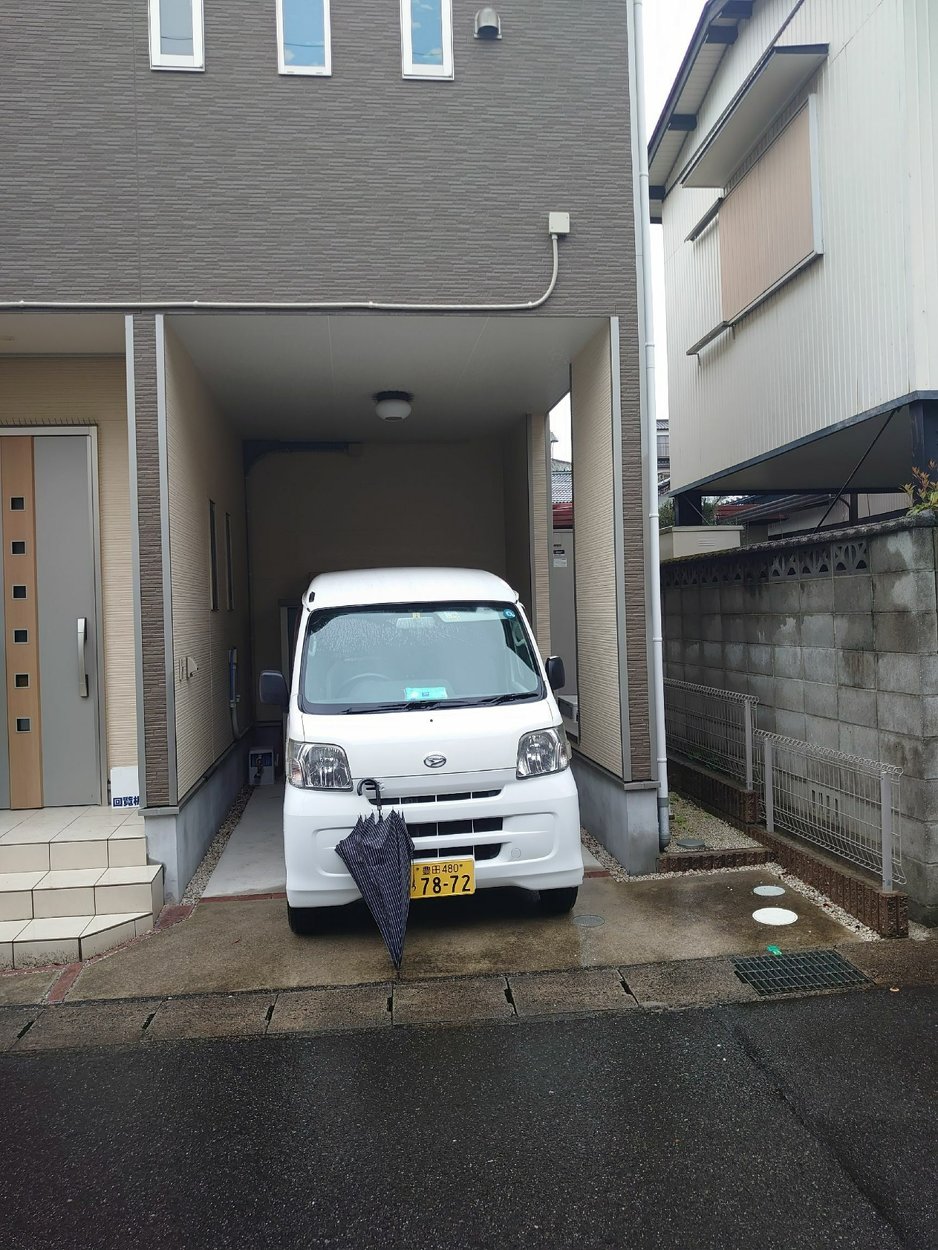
(272, 689)
(556, 673)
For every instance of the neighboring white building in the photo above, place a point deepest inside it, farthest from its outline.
(793, 170)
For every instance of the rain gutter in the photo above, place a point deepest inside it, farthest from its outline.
(647, 403)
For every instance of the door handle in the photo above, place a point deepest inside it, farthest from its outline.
(82, 670)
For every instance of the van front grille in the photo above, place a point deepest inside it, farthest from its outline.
(446, 828)
(405, 800)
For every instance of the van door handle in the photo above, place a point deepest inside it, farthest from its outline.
(82, 670)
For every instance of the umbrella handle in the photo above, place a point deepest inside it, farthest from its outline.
(372, 785)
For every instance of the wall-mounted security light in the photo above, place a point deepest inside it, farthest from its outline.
(488, 24)
(393, 405)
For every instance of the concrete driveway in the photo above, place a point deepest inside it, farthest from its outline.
(245, 944)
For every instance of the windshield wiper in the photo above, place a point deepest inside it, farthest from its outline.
(495, 700)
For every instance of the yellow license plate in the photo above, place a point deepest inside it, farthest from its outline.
(441, 878)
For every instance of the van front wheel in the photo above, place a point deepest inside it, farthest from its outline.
(558, 902)
(304, 921)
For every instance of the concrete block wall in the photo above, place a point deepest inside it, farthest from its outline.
(837, 636)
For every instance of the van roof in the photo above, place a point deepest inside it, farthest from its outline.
(414, 585)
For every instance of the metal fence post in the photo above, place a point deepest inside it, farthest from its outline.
(885, 816)
(769, 782)
(747, 725)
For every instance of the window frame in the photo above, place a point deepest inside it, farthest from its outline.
(165, 60)
(306, 71)
(441, 73)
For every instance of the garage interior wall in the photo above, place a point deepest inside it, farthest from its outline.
(93, 391)
(205, 464)
(596, 574)
(379, 506)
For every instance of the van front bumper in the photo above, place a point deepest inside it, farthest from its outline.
(536, 847)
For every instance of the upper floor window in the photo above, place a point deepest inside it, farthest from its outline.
(427, 38)
(176, 37)
(304, 43)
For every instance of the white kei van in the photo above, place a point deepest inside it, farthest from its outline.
(423, 688)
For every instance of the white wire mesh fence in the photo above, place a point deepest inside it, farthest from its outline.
(845, 805)
(713, 727)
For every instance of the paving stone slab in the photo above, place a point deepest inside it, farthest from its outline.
(897, 961)
(22, 988)
(12, 1022)
(89, 1024)
(451, 1002)
(548, 993)
(237, 1015)
(686, 983)
(307, 1011)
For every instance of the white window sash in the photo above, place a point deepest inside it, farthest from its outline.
(411, 70)
(315, 71)
(165, 60)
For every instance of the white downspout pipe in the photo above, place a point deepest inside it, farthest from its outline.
(647, 326)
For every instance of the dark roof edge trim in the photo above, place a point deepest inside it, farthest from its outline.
(710, 13)
(890, 406)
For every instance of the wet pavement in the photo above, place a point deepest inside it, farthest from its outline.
(245, 945)
(799, 1124)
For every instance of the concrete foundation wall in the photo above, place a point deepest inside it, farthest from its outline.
(837, 637)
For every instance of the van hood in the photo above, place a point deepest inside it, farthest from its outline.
(396, 744)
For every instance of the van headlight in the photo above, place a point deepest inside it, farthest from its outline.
(317, 766)
(544, 751)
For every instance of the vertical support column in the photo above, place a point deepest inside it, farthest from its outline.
(769, 781)
(155, 740)
(747, 726)
(885, 816)
(924, 414)
(688, 508)
(539, 528)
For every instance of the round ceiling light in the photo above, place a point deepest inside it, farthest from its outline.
(393, 405)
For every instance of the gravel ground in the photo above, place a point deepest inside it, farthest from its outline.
(209, 863)
(719, 835)
(690, 821)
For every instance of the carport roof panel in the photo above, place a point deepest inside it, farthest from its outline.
(314, 376)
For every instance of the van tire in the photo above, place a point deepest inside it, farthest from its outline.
(559, 902)
(304, 921)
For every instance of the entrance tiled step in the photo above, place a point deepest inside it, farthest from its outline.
(81, 892)
(33, 847)
(65, 939)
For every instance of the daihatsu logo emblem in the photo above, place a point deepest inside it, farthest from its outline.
(435, 761)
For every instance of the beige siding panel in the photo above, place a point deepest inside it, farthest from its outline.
(836, 340)
(517, 518)
(204, 464)
(541, 527)
(418, 504)
(93, 391)
(597, 632)
(766, 223)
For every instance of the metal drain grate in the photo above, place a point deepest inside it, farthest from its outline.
(784, 974)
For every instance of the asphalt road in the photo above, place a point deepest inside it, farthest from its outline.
(808, 1123)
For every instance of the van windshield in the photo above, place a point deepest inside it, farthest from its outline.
(404, 657)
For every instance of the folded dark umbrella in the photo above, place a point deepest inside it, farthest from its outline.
(378, 854)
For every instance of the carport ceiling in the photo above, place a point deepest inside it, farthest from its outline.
(313, 376)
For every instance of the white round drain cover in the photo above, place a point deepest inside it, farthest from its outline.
(768, 891)
(775, 915)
